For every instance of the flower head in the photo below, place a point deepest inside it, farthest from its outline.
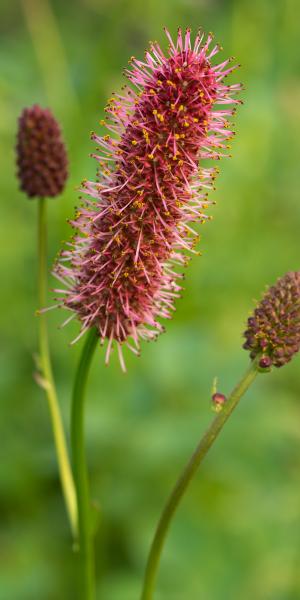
(134, 231)
(274, 328)
(41, 154)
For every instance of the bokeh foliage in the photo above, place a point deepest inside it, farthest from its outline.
(237, 532)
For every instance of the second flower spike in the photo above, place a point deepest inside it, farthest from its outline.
(41, 154)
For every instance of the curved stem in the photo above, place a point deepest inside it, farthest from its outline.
(185, 478)
(86, 551)
(65, 472)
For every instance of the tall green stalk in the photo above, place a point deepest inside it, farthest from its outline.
(186, 477)
(48, 45)
(86, 550)
(48, 381)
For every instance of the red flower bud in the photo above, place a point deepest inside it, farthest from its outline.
(274, 328)
(41, 154)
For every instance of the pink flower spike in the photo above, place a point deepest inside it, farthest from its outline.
(121, 267)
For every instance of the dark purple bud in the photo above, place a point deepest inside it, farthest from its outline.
(41, 155)
(263, 343)
(274, 328)
(265, 362)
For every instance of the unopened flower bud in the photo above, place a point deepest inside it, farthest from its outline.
(41, 155)
(265, 363)
(218, 401)
(274, 328)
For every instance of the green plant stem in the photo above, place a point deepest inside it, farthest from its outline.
(86, 551)
(49, 47)
(185, 478)
(65, 472)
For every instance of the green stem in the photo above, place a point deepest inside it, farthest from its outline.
(49, 47)
(65, 472)
(186, 477)
(86, 551)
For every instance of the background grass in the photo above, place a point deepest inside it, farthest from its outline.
(236, 535)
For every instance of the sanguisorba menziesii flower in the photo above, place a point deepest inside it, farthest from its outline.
(273, 332)
(41, 155)
(133, 231)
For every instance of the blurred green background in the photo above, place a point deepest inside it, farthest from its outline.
(237, 533)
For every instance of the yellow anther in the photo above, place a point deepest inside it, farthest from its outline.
(159, 82)
(151, 156)
(152, 92)
(102, 122)
(146, 135)
(177, 136)
(181, 107)
(195, 120)
(154, 112)
(172, 106)
(134, 142)
(186, 124)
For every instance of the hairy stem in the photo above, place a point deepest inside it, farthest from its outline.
(86, 551)
(65, 472)
(185, 478)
